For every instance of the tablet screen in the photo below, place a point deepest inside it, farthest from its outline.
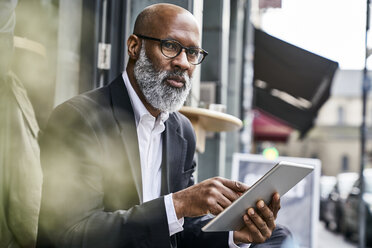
(281, 178)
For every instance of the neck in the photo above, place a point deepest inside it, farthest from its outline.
(153, 111)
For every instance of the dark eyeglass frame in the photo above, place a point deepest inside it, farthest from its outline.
(187, 49)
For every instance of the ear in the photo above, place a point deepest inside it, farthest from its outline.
(134, 46)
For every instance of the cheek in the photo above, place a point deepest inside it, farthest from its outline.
(159, 61)
(191, 71)
(160, 66)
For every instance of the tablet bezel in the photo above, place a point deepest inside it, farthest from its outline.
(232, 217)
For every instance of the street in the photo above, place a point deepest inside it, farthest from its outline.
(327, 239)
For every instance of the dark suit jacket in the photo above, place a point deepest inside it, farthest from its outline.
(92, 177)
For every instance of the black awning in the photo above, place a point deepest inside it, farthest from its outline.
(290, 82)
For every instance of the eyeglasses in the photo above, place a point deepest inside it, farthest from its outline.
(172, 48)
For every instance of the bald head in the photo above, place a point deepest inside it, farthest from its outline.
(159, 16)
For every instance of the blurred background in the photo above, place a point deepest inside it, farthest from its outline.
(293, 72)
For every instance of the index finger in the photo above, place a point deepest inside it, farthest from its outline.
(235, 185)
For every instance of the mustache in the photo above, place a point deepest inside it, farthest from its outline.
(180, 76)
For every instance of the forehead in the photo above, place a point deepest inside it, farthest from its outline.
(181, 27)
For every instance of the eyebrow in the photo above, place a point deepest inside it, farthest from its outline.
(171, 38)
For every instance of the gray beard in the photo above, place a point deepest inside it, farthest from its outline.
(153, 86)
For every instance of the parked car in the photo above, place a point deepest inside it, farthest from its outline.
(333, 209)
(351, 209)
(326, 185)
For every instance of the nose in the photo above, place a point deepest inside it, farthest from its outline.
(181, 61)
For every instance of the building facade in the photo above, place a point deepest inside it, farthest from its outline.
(335, 138)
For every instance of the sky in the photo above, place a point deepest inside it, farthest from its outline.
(334, 29)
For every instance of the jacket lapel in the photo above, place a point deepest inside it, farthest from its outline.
(174, 145)
(124, 116)
(174, 156)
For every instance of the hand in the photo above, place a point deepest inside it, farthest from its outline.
(259, 224)
(210, 196)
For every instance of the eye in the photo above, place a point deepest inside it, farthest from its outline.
(193, 52)
(170, 45)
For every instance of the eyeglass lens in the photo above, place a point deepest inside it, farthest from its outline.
(172, 49)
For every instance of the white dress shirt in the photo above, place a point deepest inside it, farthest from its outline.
(149, 130)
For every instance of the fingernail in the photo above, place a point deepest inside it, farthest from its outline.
(245, 218)
(260, 204)
(251, 211)
(237, 184)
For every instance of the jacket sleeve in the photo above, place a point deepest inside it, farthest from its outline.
(72, 210)
(193, 236)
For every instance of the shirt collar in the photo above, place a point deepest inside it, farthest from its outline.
(139, 108)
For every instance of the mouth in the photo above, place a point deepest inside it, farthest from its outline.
(177, 82)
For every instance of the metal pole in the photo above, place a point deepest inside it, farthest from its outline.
(363, 129)
(103, 40)
(247, 80)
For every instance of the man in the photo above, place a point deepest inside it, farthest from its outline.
(118, 161)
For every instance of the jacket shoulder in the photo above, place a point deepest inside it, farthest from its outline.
(91, 99)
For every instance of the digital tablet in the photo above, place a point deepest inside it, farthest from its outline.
(281, 178)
